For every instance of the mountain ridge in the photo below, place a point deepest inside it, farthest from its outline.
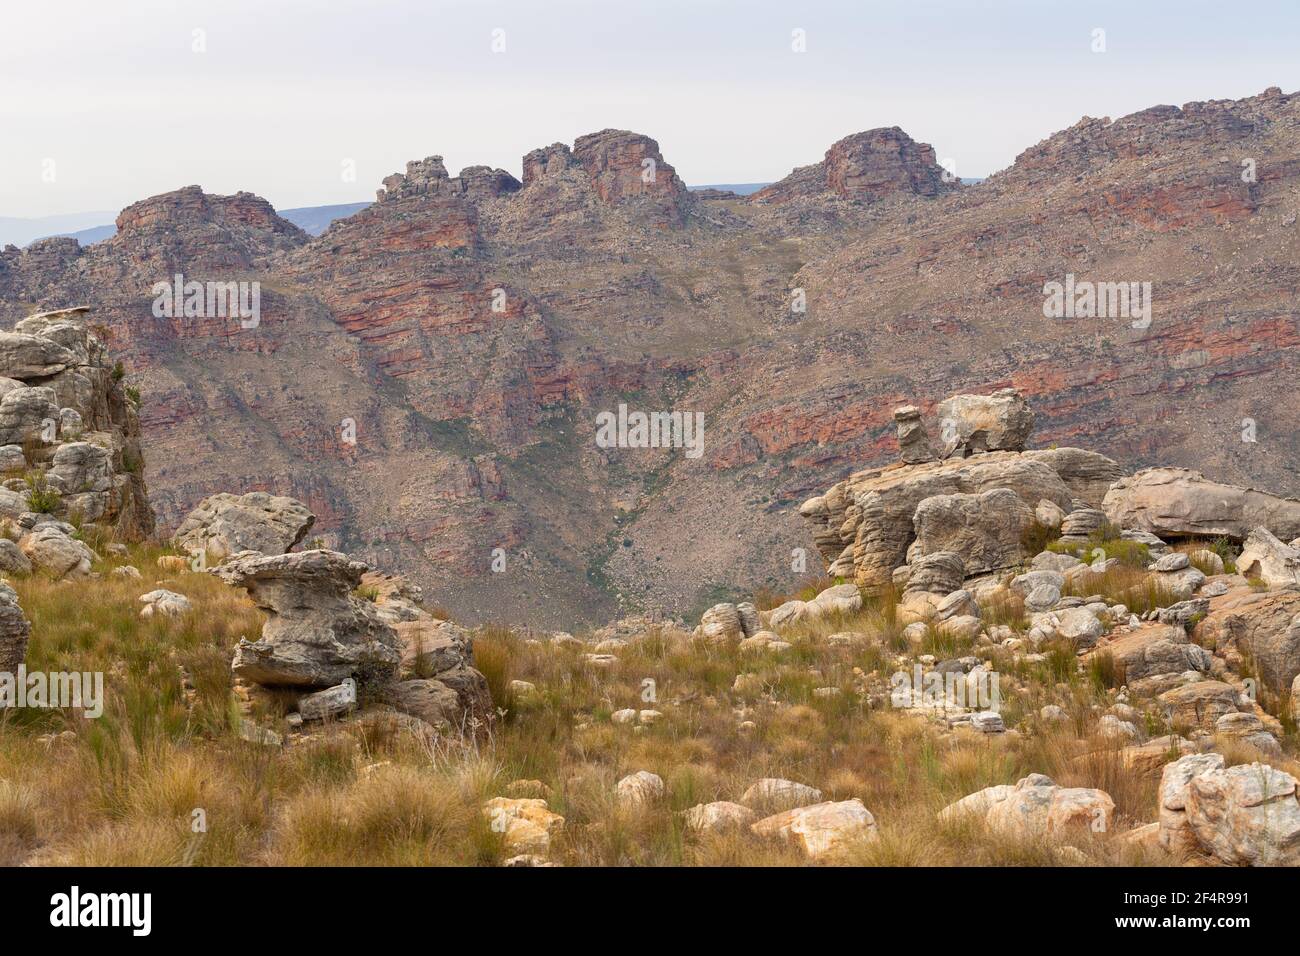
(474, 422)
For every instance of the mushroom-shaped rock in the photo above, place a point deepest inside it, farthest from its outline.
(316, 633)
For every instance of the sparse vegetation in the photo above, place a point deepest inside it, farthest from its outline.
(123, 787)
(41, 498)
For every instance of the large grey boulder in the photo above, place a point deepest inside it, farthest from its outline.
(317, 634)
(1247, 815)
(52, 550)
(25, 357)
(1265, 557)
(985, 529)
(29, 416)
(971, 424)
(225, 524)
(1179, 501)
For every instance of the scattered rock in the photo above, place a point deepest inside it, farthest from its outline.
(639, 789)
(164, 602)
(330, 702)
(718, 817)
(527, 825)
(774, 793)
(825, 832)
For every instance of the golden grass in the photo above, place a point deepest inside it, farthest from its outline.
(164, 779)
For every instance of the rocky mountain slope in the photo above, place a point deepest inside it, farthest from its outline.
(427, 373)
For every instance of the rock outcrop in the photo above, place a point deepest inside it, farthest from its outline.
(1256, 628)
(870, 166)
(224, 524)
(342, 635)
(316, 633)
(70, 438)
(1179, 502)
(1247, 815)
(976, 504)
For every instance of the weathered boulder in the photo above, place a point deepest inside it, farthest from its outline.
(1263, 556)
(1262, 627)
(825, 832)
(721, 816)
(864, 524)
(971, 424)
(1151, 757)
(29, 416)
(52, 550)
(457, 700)
(331, 702)
(25, 357)
(939, 572)
(1179, 501)
(1156, 649)
(1246, 815)
(1036, 807)
(12, 559)
(913, 441)
(224, 524)
(165, 603)
(837, 599)
(1049, 514)
(316, 634)
(526, 824)
(1080, 626)
(722, 623)
(15, 630)
(1081, 524)
(985, 529)
(639, 789)
(1199, 704)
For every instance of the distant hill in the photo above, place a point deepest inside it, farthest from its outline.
(88, 237)
(310, 219)
(316, 219)
(20, 232)
(740, 189)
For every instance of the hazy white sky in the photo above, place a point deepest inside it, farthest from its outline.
(115, 95)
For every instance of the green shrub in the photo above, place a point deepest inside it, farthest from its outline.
(41, 498)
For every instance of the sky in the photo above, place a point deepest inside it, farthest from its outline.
(312, 103)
